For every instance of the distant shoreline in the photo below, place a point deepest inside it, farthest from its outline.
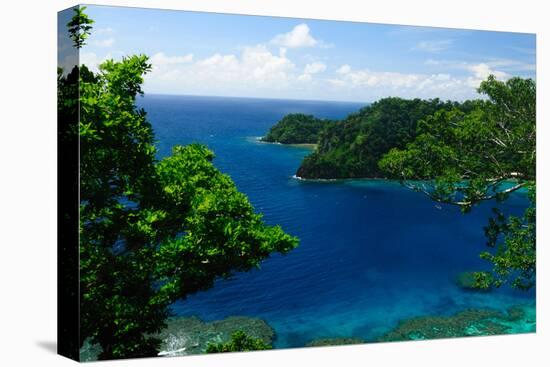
(393, 181)
(378, 179)
(298, 145)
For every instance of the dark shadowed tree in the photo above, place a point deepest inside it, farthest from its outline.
(80, 26)
(151, 232)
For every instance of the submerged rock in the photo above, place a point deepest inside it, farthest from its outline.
(191, 335)
(334, 342)
(475, 322)
(468, 281)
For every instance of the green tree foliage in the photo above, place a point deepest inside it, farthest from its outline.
(80, 26)
(296, 128)
(513, 243)
(240, 342)
(484, 154)
(151, 232)
(352, 147)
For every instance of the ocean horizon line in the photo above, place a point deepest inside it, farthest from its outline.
(256, 98)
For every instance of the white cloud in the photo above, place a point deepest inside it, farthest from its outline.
(160, 58)
(92, 61)
(109, 42)
(433, 46)
(260, 70)
(344, 69)
(255, 68)
(310, 69)
(502, 69)
(106, 30)
(89, 59)
(304, 78)
(481, 71)
(314, 68)
(263, 65)
(298, 37)
(442, 77)
(337, 82)
(222, 61)
(370, 78)
(379, 84)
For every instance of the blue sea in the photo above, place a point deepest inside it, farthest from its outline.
(371, 252)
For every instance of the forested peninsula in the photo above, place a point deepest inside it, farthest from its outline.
(296, 128)
(352, 147)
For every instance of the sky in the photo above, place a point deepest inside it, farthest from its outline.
(212, 54)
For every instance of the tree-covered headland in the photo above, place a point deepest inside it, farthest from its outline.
(296, 128)
(351, 148)
(151, 232)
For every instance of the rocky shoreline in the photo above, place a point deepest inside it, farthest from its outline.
(191, 335)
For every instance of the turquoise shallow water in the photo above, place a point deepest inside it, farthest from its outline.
(372, 252)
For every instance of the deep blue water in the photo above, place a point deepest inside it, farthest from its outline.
(371, 252)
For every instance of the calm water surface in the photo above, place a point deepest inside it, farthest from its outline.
(371, 252)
